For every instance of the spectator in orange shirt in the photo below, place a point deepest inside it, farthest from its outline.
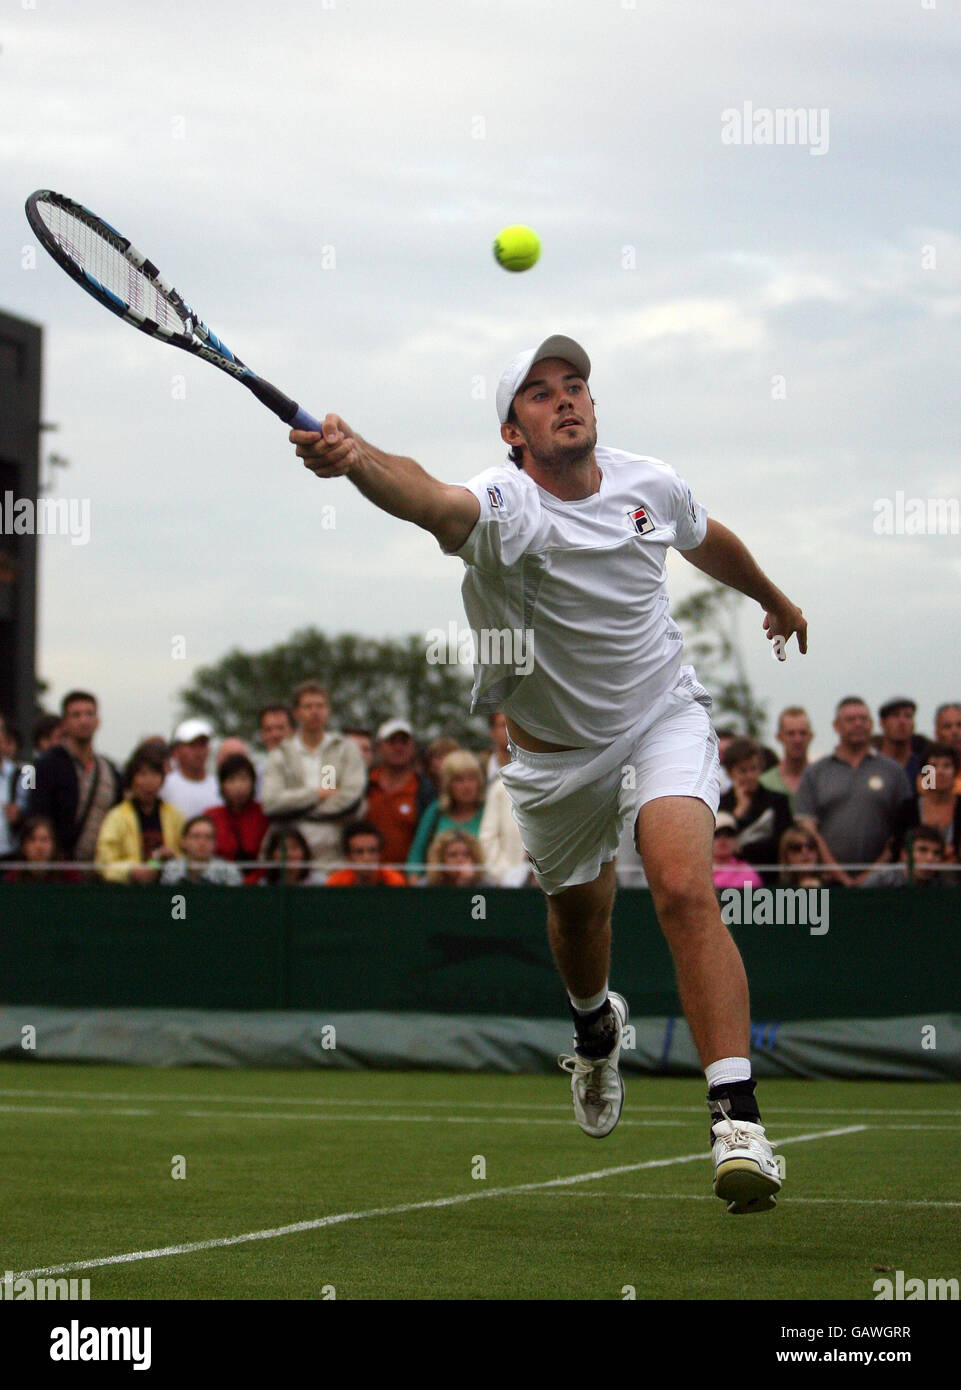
(363, 846)
(396, 793)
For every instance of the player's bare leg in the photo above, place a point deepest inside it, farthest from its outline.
(674, 838)
(579, 929)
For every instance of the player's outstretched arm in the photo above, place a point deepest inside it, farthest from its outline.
(726, 558)
(393, 483)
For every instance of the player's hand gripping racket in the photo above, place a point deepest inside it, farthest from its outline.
(121, 279)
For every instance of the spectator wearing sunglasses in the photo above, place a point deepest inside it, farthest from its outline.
(798, 854)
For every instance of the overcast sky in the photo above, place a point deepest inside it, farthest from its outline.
(323, 179)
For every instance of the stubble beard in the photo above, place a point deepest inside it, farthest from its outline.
(563, 456)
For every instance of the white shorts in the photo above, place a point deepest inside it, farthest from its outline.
(571, 808)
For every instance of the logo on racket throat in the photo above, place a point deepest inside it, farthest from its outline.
(639, 519)
(219, 360)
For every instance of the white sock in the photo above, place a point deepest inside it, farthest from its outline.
(587, 1006)
(728, 1069)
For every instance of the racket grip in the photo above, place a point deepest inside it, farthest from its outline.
(304, 421)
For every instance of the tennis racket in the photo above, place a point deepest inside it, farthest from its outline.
(121, 279)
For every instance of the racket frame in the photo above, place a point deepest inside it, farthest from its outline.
(197, 338)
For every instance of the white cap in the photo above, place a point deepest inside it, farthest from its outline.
(394, 726)
(191, 729)
(513, 378)
(725, 821)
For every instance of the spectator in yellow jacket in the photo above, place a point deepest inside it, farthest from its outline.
(140, 833)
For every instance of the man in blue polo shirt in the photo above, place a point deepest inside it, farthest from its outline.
(853, 796)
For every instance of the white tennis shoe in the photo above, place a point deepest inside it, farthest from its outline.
(746, 1174)
(596, 1084)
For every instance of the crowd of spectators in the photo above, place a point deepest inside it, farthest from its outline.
(315, 806)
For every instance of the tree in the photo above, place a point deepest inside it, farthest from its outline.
(370, 680)
(715, 650)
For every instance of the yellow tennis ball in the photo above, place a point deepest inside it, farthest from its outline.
(517, 248)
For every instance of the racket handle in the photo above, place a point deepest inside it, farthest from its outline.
(304, 421)
(288, 410)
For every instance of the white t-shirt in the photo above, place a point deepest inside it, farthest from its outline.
(568, 601)
(191, 798)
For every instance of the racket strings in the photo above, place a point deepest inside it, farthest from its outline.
(103, 259)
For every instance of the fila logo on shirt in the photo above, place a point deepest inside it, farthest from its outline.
(495, 497)
(640, 520)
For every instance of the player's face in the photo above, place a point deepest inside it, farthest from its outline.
(554, 415)
(795, 736)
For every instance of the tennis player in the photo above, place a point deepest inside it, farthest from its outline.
(565, 544)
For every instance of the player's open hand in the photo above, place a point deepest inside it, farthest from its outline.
(330, 454)
(781, 623)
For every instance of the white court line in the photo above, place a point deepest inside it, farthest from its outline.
(328, 1117)
(459, 1119)
(240, 1098)
(460, 1199)
(794, 1201)
(564, 1123)
(439, 1102)
(954, 1127)
(366, 1118)
(69, 1110)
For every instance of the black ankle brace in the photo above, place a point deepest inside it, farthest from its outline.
(734, 1100)
(594, 1032)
